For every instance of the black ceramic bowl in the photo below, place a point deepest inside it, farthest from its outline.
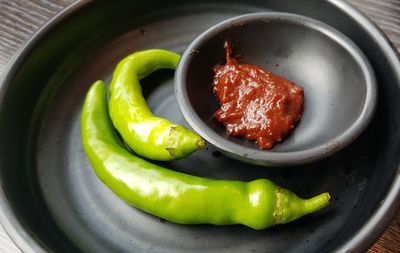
(52, 201)
(339, 84)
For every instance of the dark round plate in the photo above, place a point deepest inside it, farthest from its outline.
(52, 200)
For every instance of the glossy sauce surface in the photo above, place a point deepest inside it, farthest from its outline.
(255, 103)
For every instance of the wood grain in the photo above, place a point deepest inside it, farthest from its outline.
(19, 19)
(385, 13)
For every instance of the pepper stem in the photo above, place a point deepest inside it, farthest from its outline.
(313, 204)
(290, 207)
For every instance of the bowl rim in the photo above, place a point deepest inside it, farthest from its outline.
(268, 157)
(363, 238)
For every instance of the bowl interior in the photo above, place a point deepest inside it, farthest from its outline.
(331, 69)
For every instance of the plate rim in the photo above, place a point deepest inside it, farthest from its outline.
(13, 227)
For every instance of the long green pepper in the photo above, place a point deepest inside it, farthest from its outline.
(149, 136)
(178, 197)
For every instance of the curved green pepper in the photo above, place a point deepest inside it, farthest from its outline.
(149, 136)
(178, 197)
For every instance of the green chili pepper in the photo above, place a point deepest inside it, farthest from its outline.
(178, 197)
(149, 136)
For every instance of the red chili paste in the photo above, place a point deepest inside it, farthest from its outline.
(255, 103)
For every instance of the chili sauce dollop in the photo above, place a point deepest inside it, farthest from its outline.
(255, 104)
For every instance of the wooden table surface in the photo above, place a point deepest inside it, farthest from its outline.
(19, 19)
